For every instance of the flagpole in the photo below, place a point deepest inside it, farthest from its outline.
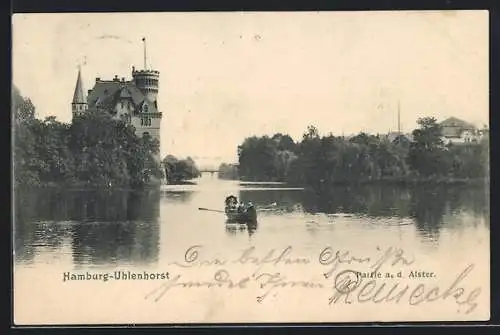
(399, 118)
(145, 65)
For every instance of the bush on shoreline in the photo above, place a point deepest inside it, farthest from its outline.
(180, 170)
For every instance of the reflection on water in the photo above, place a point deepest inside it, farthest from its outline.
(178, 196)
(426, 205)
(101, 227)
(139, 228)
(249, 228)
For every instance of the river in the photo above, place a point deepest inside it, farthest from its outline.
(59, 230)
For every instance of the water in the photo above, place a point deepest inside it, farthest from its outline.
(57, 231)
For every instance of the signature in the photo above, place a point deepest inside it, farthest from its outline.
(273, 257)
(268, 282)
(391, 255)
(193, 257)
(349, 285)
(221, 279)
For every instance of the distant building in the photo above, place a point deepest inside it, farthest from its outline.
(456, 131)
(133, 101)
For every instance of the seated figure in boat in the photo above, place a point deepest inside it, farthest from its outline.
(231, 203)
(241, 207)
(239, 212)
(251, 211)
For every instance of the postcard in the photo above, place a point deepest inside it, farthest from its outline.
(250, 167)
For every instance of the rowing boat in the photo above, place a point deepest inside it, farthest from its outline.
(238, 212)
(241, 215)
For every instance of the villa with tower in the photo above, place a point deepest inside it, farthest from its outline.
(133, 101)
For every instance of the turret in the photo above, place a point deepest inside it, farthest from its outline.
(148, 82)
(79, 103)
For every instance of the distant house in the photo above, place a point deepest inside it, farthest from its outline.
(456, 131)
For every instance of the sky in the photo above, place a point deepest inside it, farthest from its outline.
(227, 76)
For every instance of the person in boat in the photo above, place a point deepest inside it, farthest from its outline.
(231, 202)
(241, 207)
(251, 211)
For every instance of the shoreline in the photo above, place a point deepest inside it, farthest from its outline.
(83, 187)
(413, 181)
(382, 181)
(320, 186)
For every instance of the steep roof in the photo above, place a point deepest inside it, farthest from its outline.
(102, 90)
(107, 93)
(455, 122)
(135, 92)
(78, 96)
(124, 93)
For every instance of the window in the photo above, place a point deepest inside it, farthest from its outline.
(122, 103)
(145, 108)
(145, 133)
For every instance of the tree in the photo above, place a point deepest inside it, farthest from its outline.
(94, 150)
(106, 151)
(427, 153)
(256, 158)
(228, 171)
(283, 161)
(24, 140)
(192, 169)
(22, 108)
(284, 142)
(321, 162)
(55, 158)
(178, 170)
(402, 141)
(311, 133)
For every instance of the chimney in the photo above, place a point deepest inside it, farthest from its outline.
(116, 78)
(123, 79)
(98, 79)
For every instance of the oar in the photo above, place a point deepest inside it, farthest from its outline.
(210, 210)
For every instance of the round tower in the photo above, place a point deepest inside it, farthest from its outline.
(147, 81)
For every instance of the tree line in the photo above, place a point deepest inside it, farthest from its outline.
(321, 161)
(93, 150)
